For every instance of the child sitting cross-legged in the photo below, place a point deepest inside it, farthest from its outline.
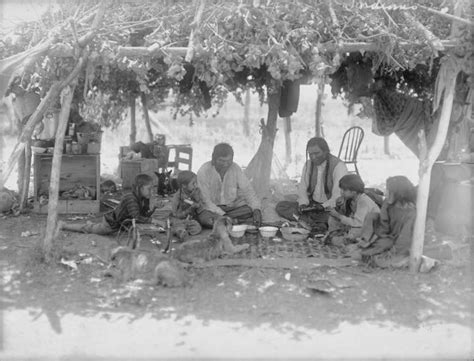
(347, 218)
(134, 205)
(386, 237)
(185, 206)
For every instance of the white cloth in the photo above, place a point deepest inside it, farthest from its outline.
(340, 170)
(234, 190)
(364, 206)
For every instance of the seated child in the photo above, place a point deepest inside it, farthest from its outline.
(386, 237)
(135, 205)
(185, 206)
(351, 210)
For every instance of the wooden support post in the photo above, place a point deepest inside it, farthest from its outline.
(133, 121)
(146, 116)
(427, 159)
(259, 168)
(21, 171)
(246, 120)
(37, 115)
(319, 104)
(386, 145)
(51, 225)
(287, 130)
(28, 130)
(445, 84)
(26, 177)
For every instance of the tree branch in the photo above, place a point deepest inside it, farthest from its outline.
(333, 14)
(84, 40)
(368, 46)
(447, 16)
(195, 29)
(434, 41)
(152, 50)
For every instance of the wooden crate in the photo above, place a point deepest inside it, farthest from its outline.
(180, 156)
(129, 169)
(80, 169)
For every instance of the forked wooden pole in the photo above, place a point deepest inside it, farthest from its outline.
(51, 225)
(427, 159)
(133, 122)
(147, 116)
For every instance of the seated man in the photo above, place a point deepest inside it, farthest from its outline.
(318, 188)
(226, 190)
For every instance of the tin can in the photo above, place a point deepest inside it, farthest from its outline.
(76, 148)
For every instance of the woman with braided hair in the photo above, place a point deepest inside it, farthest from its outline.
(318, 188)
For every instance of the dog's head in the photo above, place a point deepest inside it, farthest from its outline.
(120, 255)
(222, 224)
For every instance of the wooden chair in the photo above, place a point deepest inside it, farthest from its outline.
(350, 146)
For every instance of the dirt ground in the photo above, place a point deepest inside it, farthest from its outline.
(227, 311)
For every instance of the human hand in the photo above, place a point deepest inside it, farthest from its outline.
(334, 213)
(303, 207)
(318, 207)
(156, 203)
(195, 205)
(257, 217)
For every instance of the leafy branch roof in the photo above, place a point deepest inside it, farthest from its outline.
(287, 38)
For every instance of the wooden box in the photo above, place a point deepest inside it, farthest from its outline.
(180, 155)
(80, 169)
(129, 169)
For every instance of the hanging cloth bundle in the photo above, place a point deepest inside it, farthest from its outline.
(289, 98)
(403, 115)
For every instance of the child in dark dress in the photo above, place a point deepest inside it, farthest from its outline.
(185, 206)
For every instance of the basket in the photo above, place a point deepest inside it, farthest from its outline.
(268, 231)
(238, 230)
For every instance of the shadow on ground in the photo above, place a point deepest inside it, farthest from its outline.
(250, 297)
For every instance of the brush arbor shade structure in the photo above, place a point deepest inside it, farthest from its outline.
(232, 46)
(350, 145)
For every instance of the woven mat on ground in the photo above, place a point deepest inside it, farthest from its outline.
(278, 247)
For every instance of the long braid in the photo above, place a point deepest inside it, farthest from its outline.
(308, 189)
(322, 144)
(326, 174)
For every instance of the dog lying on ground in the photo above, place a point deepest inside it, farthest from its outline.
(153, 266)
(216, 244)
(167, 270)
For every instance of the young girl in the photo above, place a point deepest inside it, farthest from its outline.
(351, 209)
(386, 238)
(135, 205)
(185, 206)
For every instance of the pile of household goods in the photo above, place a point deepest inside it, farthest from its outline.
(80, 138)
(153, 150)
